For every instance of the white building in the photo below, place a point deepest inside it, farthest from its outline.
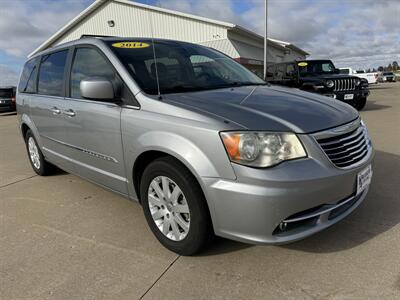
(130, 19)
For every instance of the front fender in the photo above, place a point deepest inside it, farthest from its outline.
(211, 161)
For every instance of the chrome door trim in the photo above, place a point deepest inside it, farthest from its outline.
(87, 151)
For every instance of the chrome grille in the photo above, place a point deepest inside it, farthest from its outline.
(344, 85)
(346, 150)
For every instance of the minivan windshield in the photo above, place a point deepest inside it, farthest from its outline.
(313, 67)
(180, 66)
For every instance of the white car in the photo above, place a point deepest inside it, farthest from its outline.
(372, 77)
(387, 76)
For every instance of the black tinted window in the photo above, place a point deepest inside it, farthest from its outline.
(27, 81)
(51, 74)
(6, 93)
(88, 62)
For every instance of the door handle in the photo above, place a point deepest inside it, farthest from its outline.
(69, 113)
(55, 111)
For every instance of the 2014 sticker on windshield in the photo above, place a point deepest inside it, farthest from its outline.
(130, 45)
(302, 64)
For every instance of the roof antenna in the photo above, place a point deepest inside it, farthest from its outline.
(154, 56)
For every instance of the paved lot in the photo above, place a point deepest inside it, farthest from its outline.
(64, 238)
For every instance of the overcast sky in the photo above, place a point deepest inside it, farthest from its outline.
(355, 33)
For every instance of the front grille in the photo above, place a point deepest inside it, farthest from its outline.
(344, 85)
(347, 149)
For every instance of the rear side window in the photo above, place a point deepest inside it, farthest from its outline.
(88, 62)
(290, 71)
(28, 77)
(51, 73)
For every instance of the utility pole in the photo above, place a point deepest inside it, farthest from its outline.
(265, 38)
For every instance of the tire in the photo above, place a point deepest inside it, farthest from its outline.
(36, 158)
(360, 103)
(192, 229)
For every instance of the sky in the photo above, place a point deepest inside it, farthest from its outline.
(360, 34)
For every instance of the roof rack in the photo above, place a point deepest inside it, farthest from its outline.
(83, 36)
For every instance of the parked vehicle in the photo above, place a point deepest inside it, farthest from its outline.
(202, 143)
(387, 77)
(7, 98)
(320, 76)
(371, 77)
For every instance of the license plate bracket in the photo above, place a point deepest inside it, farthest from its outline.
(364, 179)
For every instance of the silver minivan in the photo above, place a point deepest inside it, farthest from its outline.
(202, 143)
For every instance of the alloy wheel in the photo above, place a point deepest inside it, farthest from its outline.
(169, 208)
(34, 153)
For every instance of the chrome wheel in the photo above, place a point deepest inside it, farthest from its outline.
(34, 153)
(168, 208)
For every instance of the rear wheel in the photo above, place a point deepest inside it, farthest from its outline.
(175, 207)
(36, 158)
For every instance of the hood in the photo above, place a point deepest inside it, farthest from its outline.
(269, 108)
(329, 76)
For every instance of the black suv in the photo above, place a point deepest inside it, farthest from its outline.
(7, 98)
(320, 76)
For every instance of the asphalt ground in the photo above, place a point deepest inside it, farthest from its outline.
(64, 238)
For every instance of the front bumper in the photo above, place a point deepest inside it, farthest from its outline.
(340, 95)
(252, 208)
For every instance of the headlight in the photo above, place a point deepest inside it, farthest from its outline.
(358, 81)
(262, 149)
(329, 83)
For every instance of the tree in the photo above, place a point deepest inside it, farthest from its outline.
(380, 69)
(395, 66)
(389, 67)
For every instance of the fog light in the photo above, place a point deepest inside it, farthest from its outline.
(282, 226)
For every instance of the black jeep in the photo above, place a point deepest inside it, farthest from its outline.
(320, 76)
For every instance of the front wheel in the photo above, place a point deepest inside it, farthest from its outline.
(360, 103)
(175, 207)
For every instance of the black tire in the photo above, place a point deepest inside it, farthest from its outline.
(45, 167)
(200, 229)
(360, 103)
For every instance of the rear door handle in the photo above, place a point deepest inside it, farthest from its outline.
(69, 113)
(55, 111)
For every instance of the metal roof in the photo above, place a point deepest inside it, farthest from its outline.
(98, 3)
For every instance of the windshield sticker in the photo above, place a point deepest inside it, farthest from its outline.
(302, 64)
(131, 45)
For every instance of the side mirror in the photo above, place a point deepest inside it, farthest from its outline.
(97, 88)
